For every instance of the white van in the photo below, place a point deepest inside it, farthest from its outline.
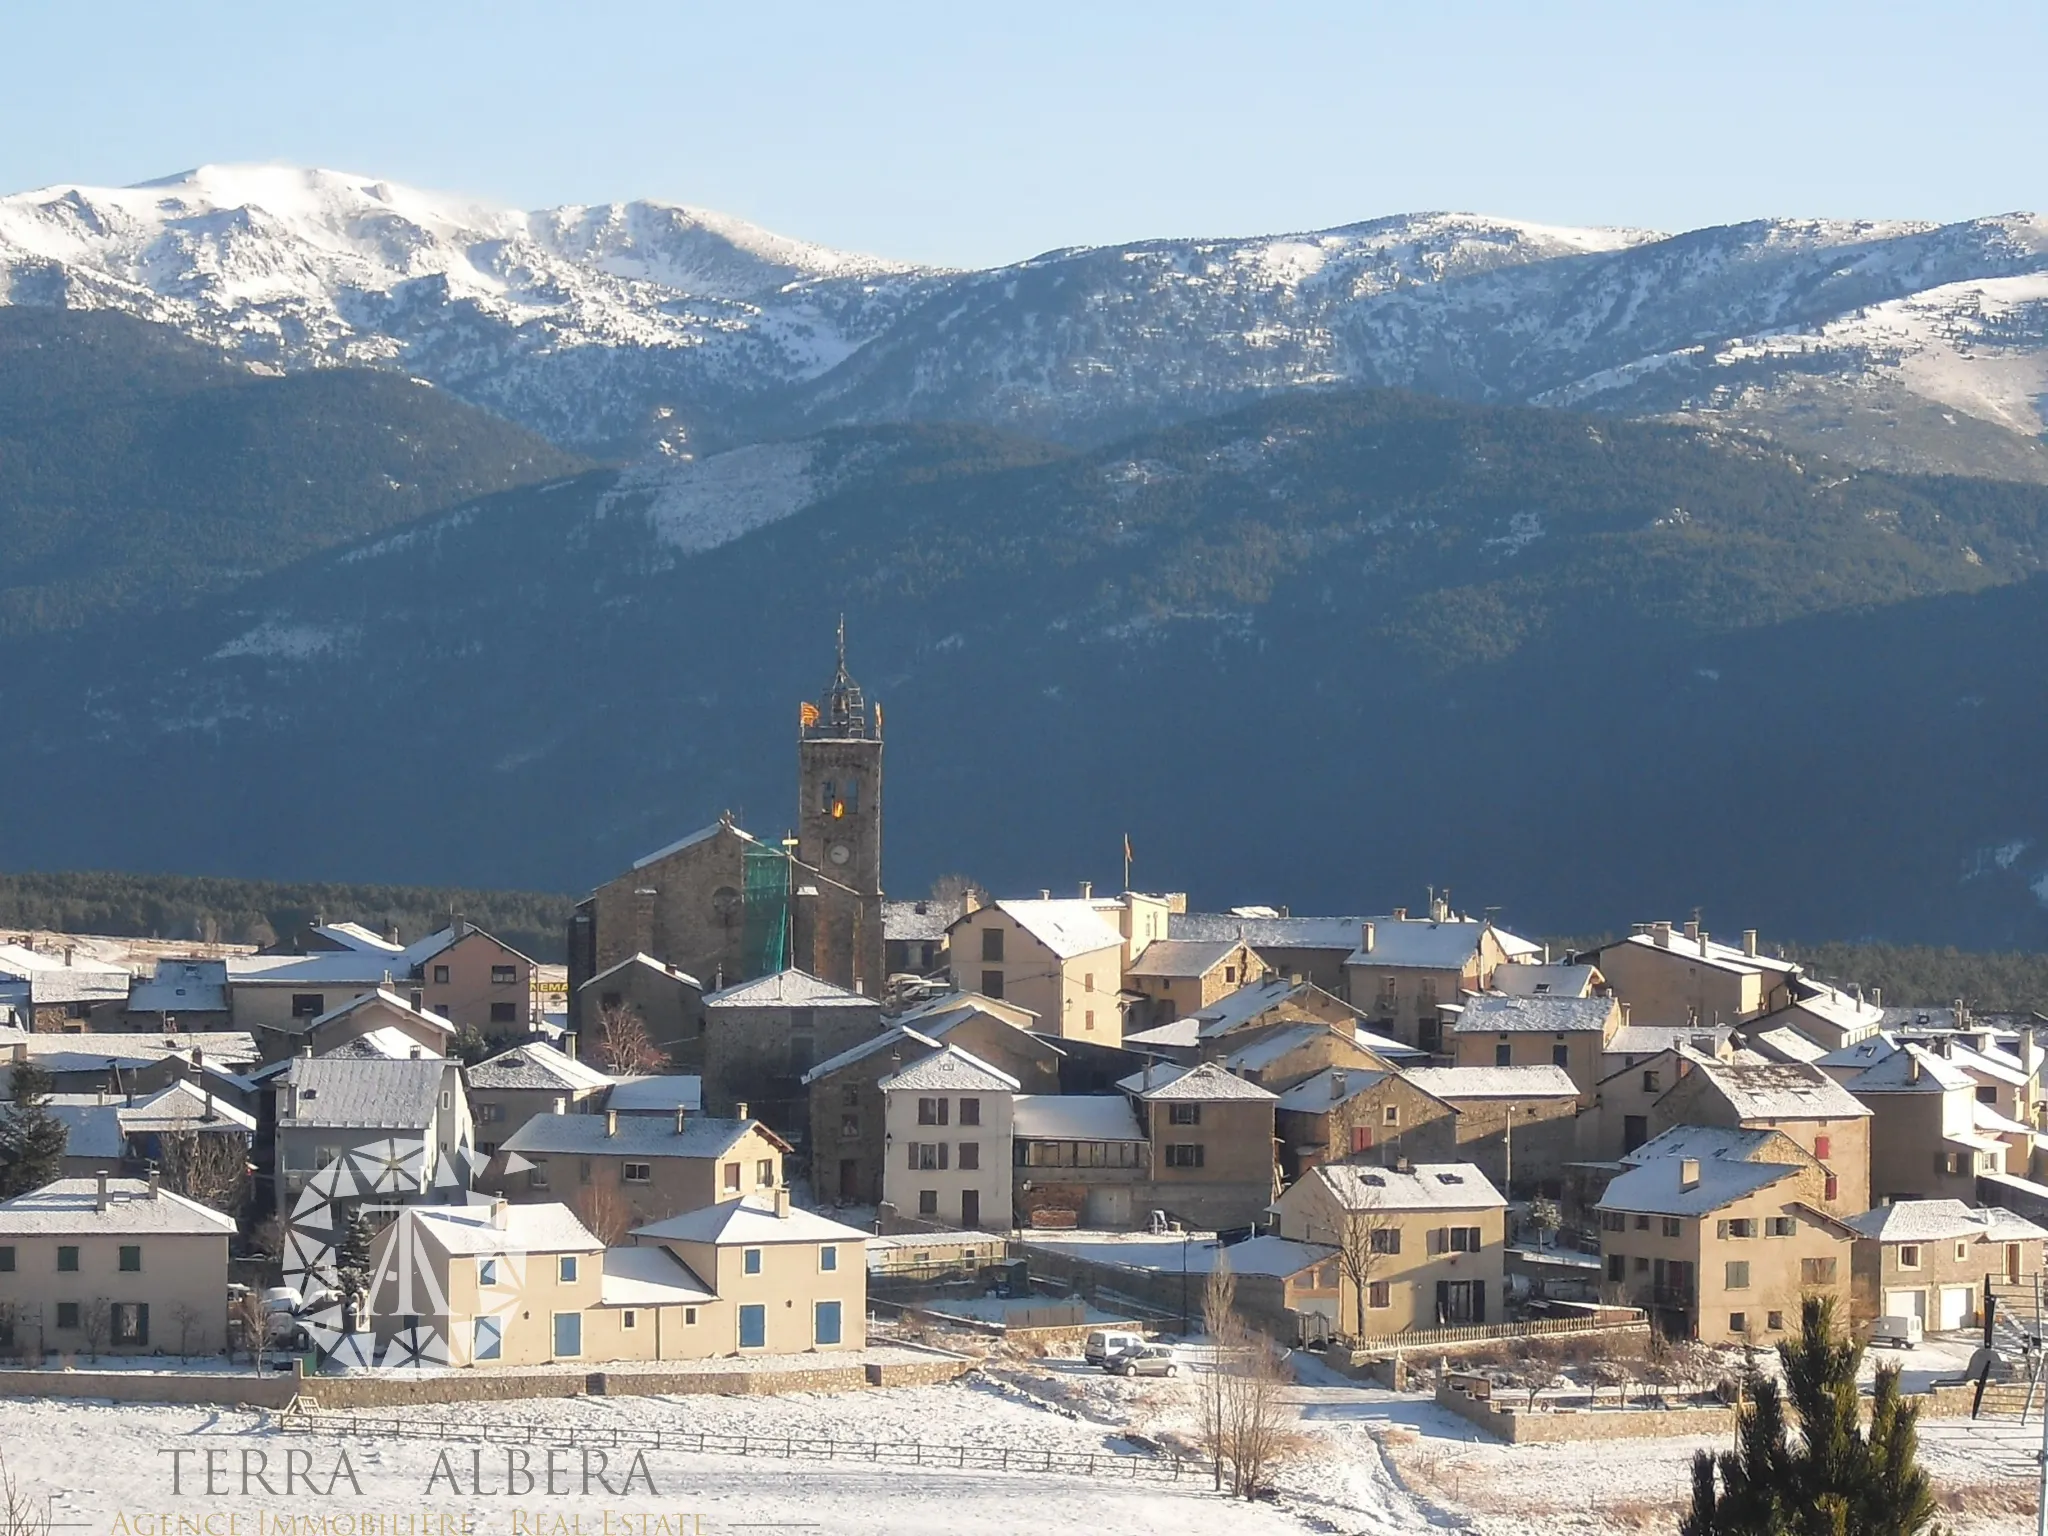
(1103, 1343)
(1901, 1332)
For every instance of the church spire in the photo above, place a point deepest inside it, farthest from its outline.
(844, 713)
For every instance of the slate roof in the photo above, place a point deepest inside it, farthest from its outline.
(1713, 953)
(1555, 980)
(1207, 1083)
(538, 1065)
(384, 998)
(1185, 959)
(361, 1093)
(701, 835)
(181, 1107)
(639, 957)
(1839, 1008)
(92, 1125)
(949, 1070)
(1419, 943)
(70, 1205)
(659, 1093)
(387, 1042)
(1271, 1046)
(1425, 1187)
(1487, 1014)
(784, 989)
(472, 1229)
(1315, 1095)
(327, 968)
(130, 1049)
(749, 1223)
(50, 980)
(1279, 932)
(951, 1002)
(1781, 1091)
(1934, 1221)
(1183, 1033)
(1895, 1073)
(1450, 1083)
(649, 1277)
(918, 920)
(1076, 1117)
(1066, 926)
(636, 1136)
(182, 986)
(1723, 1143)
(902, 1037)
(1649, 1039)
(1785, 1044)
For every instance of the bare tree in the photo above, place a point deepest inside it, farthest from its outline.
(624, 1042)
(211, 1167)
(252, 1323)
(1244, 1419)
(1368, 1238)
(21, 1513)
(605, 1211)
(96, 1321)
(1220, 1322)
(187, 1319)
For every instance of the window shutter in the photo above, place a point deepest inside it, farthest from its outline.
(913, 1157)
(942, 1154)
(1478, 1301)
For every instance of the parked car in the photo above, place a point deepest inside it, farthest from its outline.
(1102, 1343)
(1145, 1360)
(1901, 1332)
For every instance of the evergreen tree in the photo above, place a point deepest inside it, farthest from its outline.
(32, 1140)
(352, 1268)
(1831, 1478)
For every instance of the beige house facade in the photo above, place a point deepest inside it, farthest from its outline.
(1405, 970)
(950, 1118)
(1800, 1100)
(619, 1171)
(1176, 977)
(1496, 1030)
(1686, 978)
(1061, 959)
(1929, 1259)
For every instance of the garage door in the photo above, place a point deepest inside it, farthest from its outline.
(1956, 1305)
(1906, 1304)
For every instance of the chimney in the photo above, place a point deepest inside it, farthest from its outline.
(969, 902)
(69, 951)
(1044, 894)
(682, 1117)
(1339, 1080)
(782, 1203)
(1701, 935)
(739, 1110)
(155, 1186)
(561, 1105)
(1087, 890)
(1661, 932)
(1688, 1173)
(1692, 929)
(20, 1053)
(611, 1122)
(1912, 1065)
(416, 1053)
(1365, 938)
(501, 1214)
(1400, 914)
(100, 1202)
(569, 1043)
(391, 933)
(1877, 997)
(306, 1050)
(1749, 942)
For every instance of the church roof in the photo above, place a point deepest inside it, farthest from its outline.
(786, 989)
(701, 835)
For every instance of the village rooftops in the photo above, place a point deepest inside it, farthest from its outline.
(1994, 1065)
(1486, 1014)
(1649, 1039)
(1421, 943)
(1684, 1186)
(1846, 1012)
(75, 1205)
(1781, 1091)
(1181, 959)
(1528, 979)
(1207, 1083)
(322, 968)
(1068, 926)
(1271, 1046)
(502, 1228)
(365, 1094)
(953, 1007)
(183, 1106)
(632, 1135)
(949, 1070)
(1785, 1043)
(536, 1065)
(924, 921)
(1858, 1056)
(1330, 1087)
(641, 958)
(182, 986)
(127, 1050)
(1333, 933)
(1708, 951)
(790, 988)
(92, 1125)
(659, 1093)
(1718, 1143)
(387, 1041)
(649, 1277)
(901, 1038)
(1935, 1221)
(1911, 1069)
(53, 979)
(1422, 1187)
(749, 1223)
(1075, 1117)
(1452, 1083)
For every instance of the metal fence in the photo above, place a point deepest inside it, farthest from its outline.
(896, 1453)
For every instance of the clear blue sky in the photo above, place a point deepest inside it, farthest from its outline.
(973, 133)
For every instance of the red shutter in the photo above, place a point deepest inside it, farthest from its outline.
(1822, 1146)
(1361, 1138)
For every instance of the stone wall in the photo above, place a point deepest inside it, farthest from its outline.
(223, 1389)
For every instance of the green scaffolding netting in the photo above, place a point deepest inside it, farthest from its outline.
(766, 937)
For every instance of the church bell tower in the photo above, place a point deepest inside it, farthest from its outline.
(839, 835)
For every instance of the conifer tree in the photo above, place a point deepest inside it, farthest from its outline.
(32, 1140)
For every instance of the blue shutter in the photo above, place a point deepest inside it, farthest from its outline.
(753, 1327)
(826, 1330)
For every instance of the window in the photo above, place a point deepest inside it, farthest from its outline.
(486, 1271)
(750, 1261)
(568, 1335)
(992, 984)
(6, 1261)
(849, 1127)
(440, 975)
(1378, 1294)
(67, 1260)
(1088, 982)
(444, 1010)
(1642, 1265)
(1738, 1275)
(1740, 1226)
(970, 1111)
(1674, 1226)
(490, 1339)
(1464, 1239)
(1504, 1054)
(639, 1173)
(764, 1173)
(566, 1269)
(131, 1324)
(927, 1202)
(1613, 1221)
(67, 1314)
(970, 1156)
(828, 1257)
(1385, 1240)
(991, 945)
(1391, 1115)
(828, 795)
(630, 1319)
(1560, 1055)
(852, 796)
(504, 975)
(489, 1114)
(1948, 1162)
(729, 1178)
(1642, 1222)
(1229, 975)
(926, 1156)
(1962, 1252)
(308, 1005)
(1823, 1146)
(1184, 1154)
(1738, 1322)
(1649, 1082)
(1831, 1187)
(825, 1322)
(1184, 1114)
(537, 1176)
(932, 1111)
(1617, 1266)
(1780, 1226)
(753, 1326)
(131, 1258)
(1909, 1256)
(1775, 1321)
(1817, 1271)
(1987, 1095)
(583, 1170)
(504, 1013)
(689, 1317)
(1088, 1019)
(849, 1097)
(1361, 1138)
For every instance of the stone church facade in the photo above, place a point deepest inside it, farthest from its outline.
(725, 906)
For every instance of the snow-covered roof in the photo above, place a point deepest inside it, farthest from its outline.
(950, 1003)
(900, 1038)
(420, 951)
(1933, 1221)
(51, 980)
(1658, 1186)
(641, 958)
(1181, 959)
(701, 835)
(535, 1065)
(1268, 1254)
(1236, 1009)
(92, 1125)
(1207, 1082)
(183, 1106)
(1859, 1056)
(1845, 1012)
(1488, 1014)
(1424, 1187)
(1332, 1085)
(355, 936)
(1274, 1044)
(1538, 1082)
(1649, 1039)
(1275, 932)
(387, 1041)
(326, 968)
(1989, 1121)
(1183, 1033)
(127, 1049)
(1066, 926)
(649, 1277)
(182, 986)
(1723, 1143)
(1529, 979)
(1985, 1066)
(364, 1093)
(749, 1223)
(631, 1136)
(789, 988)
(1076, 1117)
(1785, 1044)
(1709, 952)
(391, 1001)
(1781, 1091)
(949, 1070)
(548, 1227)
(72, 1205)
(657, 1093)
(919, 920)
(1421, 943)
(1911, 1069)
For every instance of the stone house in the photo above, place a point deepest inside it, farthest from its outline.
(762, 1036)
(510, 1088)
(180, 994)
(65, 993)
(1061, 959)
(1925, 1142)
(120, 1063)
(1800, 1100)
(1688, 979)
(1211, 1138)
(1405, 969)
(668, 1001)
(473, 979)
(615, 1170)
(948, 1130)
(117, 1266)
(1295, 949)
(1624, 1099)
(1722, 1239)
(1175, 977)
(1374, 1116)
(323, 1108)
(914, 936)
(1827, 1016)
(1494, 1030)
(372, 1012)
(1930, 1258)
(1080, 1160)
(1428, 1242)
(1519, 1124)
(1277, 1059)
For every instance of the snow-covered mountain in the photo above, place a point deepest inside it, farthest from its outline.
(619, 324)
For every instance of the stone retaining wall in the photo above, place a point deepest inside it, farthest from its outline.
(1520, 1426)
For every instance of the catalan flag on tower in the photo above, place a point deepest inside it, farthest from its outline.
(807, 714)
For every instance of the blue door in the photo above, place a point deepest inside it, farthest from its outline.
(568, 1335)
(490, 1338)
(753, 1327)
(826, 1329)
